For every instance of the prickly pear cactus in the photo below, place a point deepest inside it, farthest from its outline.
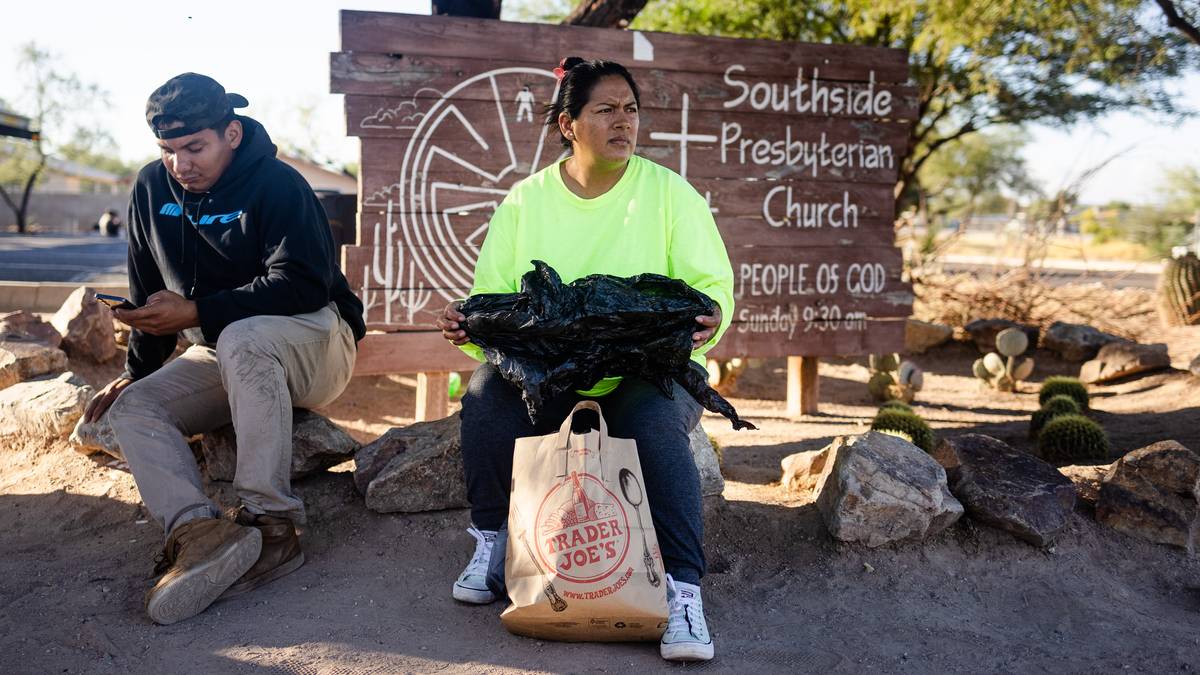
(893, 379)
(1179, 291)
(1003, 373)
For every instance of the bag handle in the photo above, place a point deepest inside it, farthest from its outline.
(564, 435)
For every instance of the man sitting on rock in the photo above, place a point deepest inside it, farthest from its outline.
(230, 247)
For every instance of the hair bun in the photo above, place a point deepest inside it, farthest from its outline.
(570, 62)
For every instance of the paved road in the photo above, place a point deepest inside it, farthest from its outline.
(96, 259)
(84, 257)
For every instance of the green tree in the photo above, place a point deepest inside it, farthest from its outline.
(975, 64)
(53, 98)
(985, 168)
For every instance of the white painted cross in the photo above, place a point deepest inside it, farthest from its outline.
(683, 137)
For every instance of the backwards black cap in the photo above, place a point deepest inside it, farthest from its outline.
(198, 101)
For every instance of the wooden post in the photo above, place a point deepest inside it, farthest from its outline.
(432, 401)
(803, 388)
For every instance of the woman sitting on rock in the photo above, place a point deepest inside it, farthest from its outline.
(601, 210)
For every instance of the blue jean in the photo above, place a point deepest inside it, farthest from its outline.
(494, 416)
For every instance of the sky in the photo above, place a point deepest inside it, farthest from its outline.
(277, 55)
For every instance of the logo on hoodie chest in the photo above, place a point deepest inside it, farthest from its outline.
(174, 210)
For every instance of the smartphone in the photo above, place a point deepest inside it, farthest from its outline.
(115, 301)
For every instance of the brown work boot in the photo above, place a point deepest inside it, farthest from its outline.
(280, 555)
(201, 559)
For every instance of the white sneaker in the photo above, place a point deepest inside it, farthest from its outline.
(686, 638)
(471, 585)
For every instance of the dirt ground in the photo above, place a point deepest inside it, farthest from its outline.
(780, 595)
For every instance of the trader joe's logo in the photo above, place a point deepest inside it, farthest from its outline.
(582, 530)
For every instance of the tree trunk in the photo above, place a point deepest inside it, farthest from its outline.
(479, 9)
(605, 13)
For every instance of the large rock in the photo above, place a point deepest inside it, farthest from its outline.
(1087, 478)
(88, 438)
(879, 489)
(1151, 493)
(1006, 488)
(23, 358)
(413, 468)
(45, 407)
(419, 468)
(1075, 341)
(1194, 366)
(920, 336)
(86, 326)
(803, 471)
(983, 332)
(27, 324)
(1121, 359)
(711, 481)
(317, 444)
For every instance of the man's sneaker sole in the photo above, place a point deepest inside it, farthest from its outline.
(686, 651)
(265, 578)
(194, 590)
(473, 596)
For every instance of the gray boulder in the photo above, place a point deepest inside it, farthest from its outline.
(879, 489)
(1194, 366)
(317, 444)
(1151, 493)
(419, 468)
(44, 407)
(712, 483)
(23, 358)
(1121, 359)
(88, 438)
(1006, 488)
(27, 324)
(803, 471)
(1074, 341)
(86, 326)
(983, 332)
(921, 336)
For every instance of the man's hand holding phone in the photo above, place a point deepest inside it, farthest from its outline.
(164, 313)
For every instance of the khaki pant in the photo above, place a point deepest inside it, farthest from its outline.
(261, 367)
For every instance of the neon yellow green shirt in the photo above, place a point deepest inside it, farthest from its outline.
(652, 220)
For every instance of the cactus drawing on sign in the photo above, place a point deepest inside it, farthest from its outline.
(893, 379)
(1003, 370)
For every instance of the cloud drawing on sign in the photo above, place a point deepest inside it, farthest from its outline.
(393, 117)
(383, 194)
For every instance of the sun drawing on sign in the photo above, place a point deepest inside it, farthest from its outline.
(467, 151)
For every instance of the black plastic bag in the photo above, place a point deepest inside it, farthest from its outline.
(551, 338)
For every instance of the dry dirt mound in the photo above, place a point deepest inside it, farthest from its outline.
(780, 595)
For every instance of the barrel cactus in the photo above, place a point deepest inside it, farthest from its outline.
(1061, 385)
(895, 404)
(892, 378)
(1005, 369)
(1056, 406)
(891, 419)
(1072, 438)
(1179, 291)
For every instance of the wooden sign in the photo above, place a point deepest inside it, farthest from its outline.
(795, 146)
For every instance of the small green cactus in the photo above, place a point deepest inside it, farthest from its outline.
(1179, 291)
(890, 419)
(1056, 406)
(897, 433)
(892, 378)
(1072, 438)
(896, 404)
(1004, 374)
(1059, 385)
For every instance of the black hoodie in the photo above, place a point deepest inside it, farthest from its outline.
(256, 243)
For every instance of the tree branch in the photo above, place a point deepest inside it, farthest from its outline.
(1174, 20)
(604, 13)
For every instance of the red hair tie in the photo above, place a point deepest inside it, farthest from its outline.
(559, 72)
